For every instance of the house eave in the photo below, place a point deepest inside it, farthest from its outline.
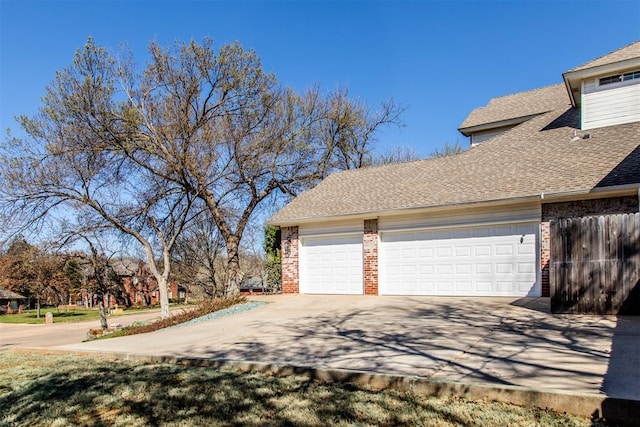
(577, 194)
(591, 193)
(405, 211)
(468, 130)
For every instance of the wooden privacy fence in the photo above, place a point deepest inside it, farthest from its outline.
(595, 265)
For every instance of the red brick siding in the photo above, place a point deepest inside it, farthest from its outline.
(579, 208)
(290, 260)
(370, 248)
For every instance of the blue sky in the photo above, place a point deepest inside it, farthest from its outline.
(441, 59)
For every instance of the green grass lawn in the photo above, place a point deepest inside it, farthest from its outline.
(62, 315)
(74, 314)
(37, 389)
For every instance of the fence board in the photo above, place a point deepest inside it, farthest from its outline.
(595, 265)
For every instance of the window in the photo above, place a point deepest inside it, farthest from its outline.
(631, 76)
(620, 78)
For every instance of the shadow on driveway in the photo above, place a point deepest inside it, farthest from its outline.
(452, 339)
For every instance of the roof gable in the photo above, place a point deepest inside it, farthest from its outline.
(626, 58)
(521, 105)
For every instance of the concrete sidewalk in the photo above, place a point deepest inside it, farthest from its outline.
(501, 341)
(46, 336)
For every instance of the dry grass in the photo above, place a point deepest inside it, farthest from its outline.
(71, 391)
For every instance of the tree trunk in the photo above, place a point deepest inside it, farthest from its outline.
(103, 315)
(232, 279)
(162, 279)
(38, 308)
(164, 297)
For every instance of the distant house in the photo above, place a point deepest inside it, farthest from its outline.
(476, 223)
(139, 287)
(252, 285)
(10, 301)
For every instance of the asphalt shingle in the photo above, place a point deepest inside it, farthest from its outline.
(518, 105)
(537, 157)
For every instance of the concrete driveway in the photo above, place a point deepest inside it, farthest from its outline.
(491, 340)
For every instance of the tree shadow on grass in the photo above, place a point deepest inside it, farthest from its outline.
(98, 392)
(168, 394)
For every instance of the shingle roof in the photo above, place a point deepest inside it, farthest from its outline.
(518, 105)
(628, 52)
(535, 157)
(7, 294)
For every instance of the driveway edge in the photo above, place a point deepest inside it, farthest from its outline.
(613, 410)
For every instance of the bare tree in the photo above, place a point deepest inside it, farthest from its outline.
(99, 275)
(198, 258)
(397, 154)
(192, 125)
(250, 136)
(72, 167)
(448, 149)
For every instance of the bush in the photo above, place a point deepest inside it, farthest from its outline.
(205, 307)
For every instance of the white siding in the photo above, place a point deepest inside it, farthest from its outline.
(608, 106)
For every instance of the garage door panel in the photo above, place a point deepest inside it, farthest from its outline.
(526, 269)
(425, 286)
(482, 250)
(445, 287)
(463, 251)
(425, 253)
(481, 268)
(464, 269)
(426, 270)
(463, 287)
(483, 287)
(502, 268)
(494, 260)
(444, 252)
(502, 249)
(444, 269)
(331, 265)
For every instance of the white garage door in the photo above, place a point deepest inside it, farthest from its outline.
(481, 261)
(331, 265)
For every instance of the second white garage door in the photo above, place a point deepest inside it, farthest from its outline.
(479, 261)
(331, 265)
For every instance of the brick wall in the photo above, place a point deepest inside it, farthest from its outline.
(579, 208)
(370, 248)
(290, 260)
